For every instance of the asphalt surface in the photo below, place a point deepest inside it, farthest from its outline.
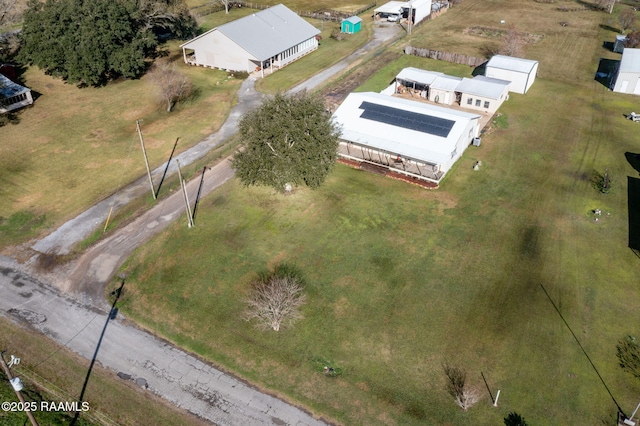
(136, 355)
(77, 322)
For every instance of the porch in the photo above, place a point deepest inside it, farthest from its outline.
(393, 163)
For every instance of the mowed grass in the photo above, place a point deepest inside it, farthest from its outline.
(479, 273)
(76, 146)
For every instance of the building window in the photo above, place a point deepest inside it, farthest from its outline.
(469, 101)
(454, 152)
(478, 102)
(486, 104)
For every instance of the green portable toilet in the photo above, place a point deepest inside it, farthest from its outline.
(351, 25)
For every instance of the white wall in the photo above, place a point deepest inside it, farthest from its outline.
(494, 104)
(628, 82)
(520, 82)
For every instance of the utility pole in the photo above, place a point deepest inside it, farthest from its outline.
(146, 160)
(184, 193)
(17, 387)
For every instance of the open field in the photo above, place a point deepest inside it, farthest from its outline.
(59, 160)
(401, 280)
(76, 146)
(54, 374)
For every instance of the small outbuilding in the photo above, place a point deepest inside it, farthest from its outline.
(269, 39)
(479, 93)
(13, 95)
(520, 72)
(443, 89)
(391, 10)
(618, 45)
(627, 79)
(351, 25)
(482, 93)
(418, 10)
(412, 138)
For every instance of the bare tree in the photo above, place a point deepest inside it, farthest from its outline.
(512, 43)
(627, 19)
(226, 5)
(464, 396)
(172, 85)
(275, 300)
(633, 39)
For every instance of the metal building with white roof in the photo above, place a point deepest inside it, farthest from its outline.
(417, 9)
(520, 72)
(443, 88)
(479, 93)
(271, 38)
(409, 137)
(627, 79)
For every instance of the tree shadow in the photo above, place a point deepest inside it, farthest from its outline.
(606, 72)
(610, 28)
(633, 202)
(608, 45)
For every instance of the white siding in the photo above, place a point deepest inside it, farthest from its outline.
(520, 82)
(627, 82)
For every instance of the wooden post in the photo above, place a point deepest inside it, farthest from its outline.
(184, 194)
(5, 367)
(108, 217)
(146, 160)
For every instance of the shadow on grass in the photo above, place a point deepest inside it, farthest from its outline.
(610, 28)
(582, 349)
(633, 193)
(607, 69)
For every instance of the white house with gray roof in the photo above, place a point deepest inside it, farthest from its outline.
(413, 138)
(520, 72)
(627, 79)
(269, 39)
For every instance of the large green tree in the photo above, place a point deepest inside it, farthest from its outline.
(91, 41)
(290, 140)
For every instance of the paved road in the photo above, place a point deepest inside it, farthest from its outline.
(167, 371)
(77, 323)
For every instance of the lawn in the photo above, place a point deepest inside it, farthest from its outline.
(74, 146)
(479, 274)
(57, 160)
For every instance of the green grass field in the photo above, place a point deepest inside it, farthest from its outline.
(401, 279)
(77, 146)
